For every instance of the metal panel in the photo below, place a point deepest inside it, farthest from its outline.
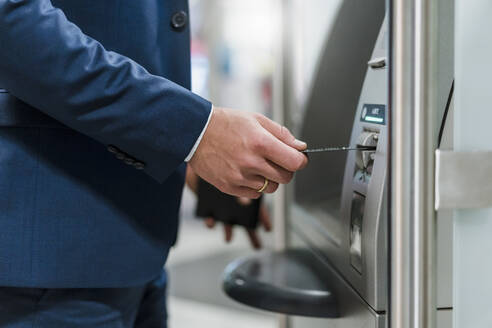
(463, 179)
(355, 313)
(414, 87)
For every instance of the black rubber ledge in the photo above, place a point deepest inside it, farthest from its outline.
(289, 282)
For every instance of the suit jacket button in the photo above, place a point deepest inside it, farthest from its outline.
(139, 165)
(112, 149)
(129, 161)
(179, 20)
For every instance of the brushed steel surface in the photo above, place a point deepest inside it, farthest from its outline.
(463, 179)
(414, 86)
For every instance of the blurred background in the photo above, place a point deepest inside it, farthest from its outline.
(238, 51)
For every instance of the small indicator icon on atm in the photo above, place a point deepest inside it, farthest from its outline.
(373, 114)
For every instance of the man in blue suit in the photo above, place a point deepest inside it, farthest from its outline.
(96, 125)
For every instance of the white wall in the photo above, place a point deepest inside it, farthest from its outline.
(473, 114)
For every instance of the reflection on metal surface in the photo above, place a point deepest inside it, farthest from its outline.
(356, 217)
(463, 179)
(414, 106)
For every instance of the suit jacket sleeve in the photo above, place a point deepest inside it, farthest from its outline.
(49, 63)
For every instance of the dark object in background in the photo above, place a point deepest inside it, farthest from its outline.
(225, 208)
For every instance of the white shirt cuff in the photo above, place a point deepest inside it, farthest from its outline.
(197, 142)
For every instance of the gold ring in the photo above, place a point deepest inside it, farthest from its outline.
(265, 185)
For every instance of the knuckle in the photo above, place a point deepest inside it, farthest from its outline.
(259, 142)
(257, 116)
(285, 134)
(291, 167)
(255, 142)
(249, 163)
(284, 179)
(299, 162)
(258, 185)
(236, 178)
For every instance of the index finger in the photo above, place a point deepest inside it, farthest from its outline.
(282, 133)
(284, 155)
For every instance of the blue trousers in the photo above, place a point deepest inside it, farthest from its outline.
(140, 307)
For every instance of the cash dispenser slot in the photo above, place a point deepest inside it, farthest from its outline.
(291, 282)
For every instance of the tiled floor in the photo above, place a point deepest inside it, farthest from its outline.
(195, 267)
(186, 313)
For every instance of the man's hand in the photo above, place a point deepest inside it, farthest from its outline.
(240, 149)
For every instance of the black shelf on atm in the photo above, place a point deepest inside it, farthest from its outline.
(289, 282)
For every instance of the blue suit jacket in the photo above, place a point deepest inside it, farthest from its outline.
(82, 77)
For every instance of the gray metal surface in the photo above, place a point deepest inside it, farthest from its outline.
(463, 179)
(327, 222)
(414, 94)
(445, 236)
(282, 105)
(354, 311)
(323, 201)
(328, 226)
(317, 208)
(370, 281)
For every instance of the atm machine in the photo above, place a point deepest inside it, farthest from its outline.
(335, 271)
